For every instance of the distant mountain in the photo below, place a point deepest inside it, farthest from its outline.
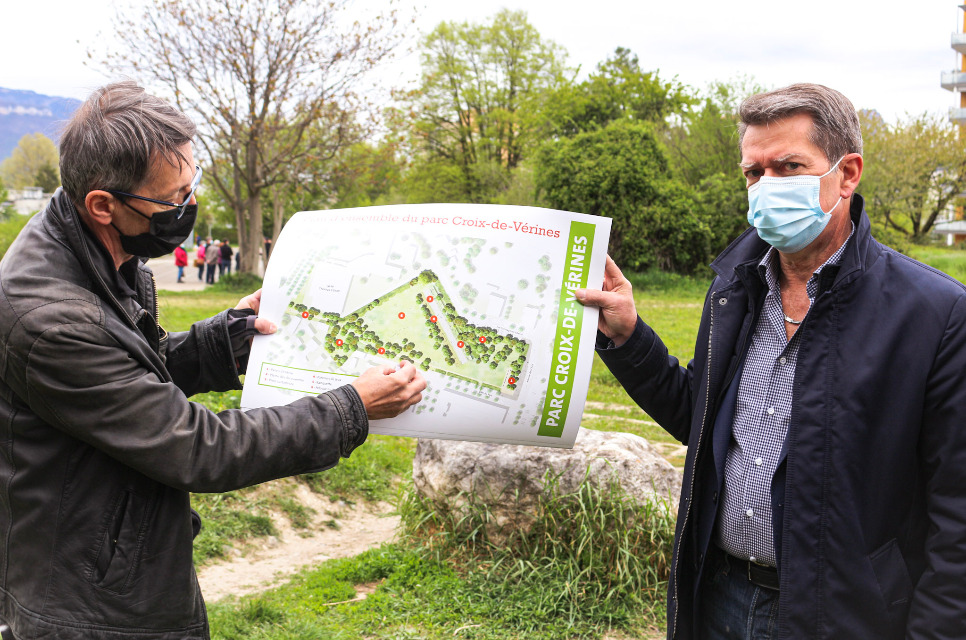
(23, 112)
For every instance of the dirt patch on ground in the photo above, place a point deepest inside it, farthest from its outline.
(338, 530)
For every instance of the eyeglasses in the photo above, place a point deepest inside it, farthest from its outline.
(195, 181)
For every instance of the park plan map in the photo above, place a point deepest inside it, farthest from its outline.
(478, 297)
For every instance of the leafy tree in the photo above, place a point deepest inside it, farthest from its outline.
(338, 169)
(266, 80)
(621, 171)
(704, 142)
(616, 172)
(477, 108)
(915, 171)
(722, 203)
(48, 178)
(702, 149)
(365, 174)
(33, 154)
(618, 89)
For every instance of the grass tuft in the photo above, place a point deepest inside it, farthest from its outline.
(371, 473)
(592, 557)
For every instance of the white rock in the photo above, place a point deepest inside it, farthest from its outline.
(511, 480)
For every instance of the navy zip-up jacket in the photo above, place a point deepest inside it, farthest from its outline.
(869, 498)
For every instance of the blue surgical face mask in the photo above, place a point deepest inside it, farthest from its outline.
(787, 212)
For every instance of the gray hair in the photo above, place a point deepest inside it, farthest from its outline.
(835, 128)
(114, 137)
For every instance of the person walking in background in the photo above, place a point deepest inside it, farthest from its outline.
(224, 262)
(180, 261)
(211, 260)
(200, 259)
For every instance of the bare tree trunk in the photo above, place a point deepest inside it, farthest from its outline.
(278, 214)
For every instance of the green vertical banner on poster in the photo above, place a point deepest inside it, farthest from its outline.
(570, 315)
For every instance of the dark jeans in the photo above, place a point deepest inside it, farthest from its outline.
(210, 273)
(732, 608)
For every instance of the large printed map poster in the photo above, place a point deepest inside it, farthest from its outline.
(478, 297)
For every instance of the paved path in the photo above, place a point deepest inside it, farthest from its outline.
(166, 275)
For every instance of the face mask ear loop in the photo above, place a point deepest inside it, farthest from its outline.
(840, 197)
(832, 169)
(829, 212)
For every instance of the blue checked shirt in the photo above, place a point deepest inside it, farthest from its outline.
(744, 527)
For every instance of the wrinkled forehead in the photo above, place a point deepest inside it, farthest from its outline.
(780, 140)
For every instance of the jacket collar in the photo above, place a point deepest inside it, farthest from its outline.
(93, 257)
(740, 260)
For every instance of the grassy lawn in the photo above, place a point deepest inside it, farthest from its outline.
(951, 261)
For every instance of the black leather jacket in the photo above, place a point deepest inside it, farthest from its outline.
(99, 445)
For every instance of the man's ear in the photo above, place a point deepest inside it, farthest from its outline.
(851, 174)
(100, 206)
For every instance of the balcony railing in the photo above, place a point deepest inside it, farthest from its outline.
(953, 80)
(958, 42)
(957, 115)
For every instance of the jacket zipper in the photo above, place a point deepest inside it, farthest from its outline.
(157, 308)
(687, 512)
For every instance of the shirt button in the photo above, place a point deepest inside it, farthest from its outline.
(758, 462)
(750, 512)
(782, 360)
(753, 559)
(770, 411)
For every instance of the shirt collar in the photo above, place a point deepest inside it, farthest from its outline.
(768, 267)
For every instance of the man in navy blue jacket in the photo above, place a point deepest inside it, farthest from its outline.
(824, 411)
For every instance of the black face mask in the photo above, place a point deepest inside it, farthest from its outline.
(166, 232)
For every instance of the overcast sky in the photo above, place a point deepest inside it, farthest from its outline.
(886, 56)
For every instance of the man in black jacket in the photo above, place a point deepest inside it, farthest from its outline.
(99, 445)
(824, 410)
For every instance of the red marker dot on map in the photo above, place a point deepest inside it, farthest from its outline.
(338, 342)
(305, 314)
(460, 344)
(401, 315)
(482, 339)
(511, 380)
(382, 350)
(433, 318)
(429, 298)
